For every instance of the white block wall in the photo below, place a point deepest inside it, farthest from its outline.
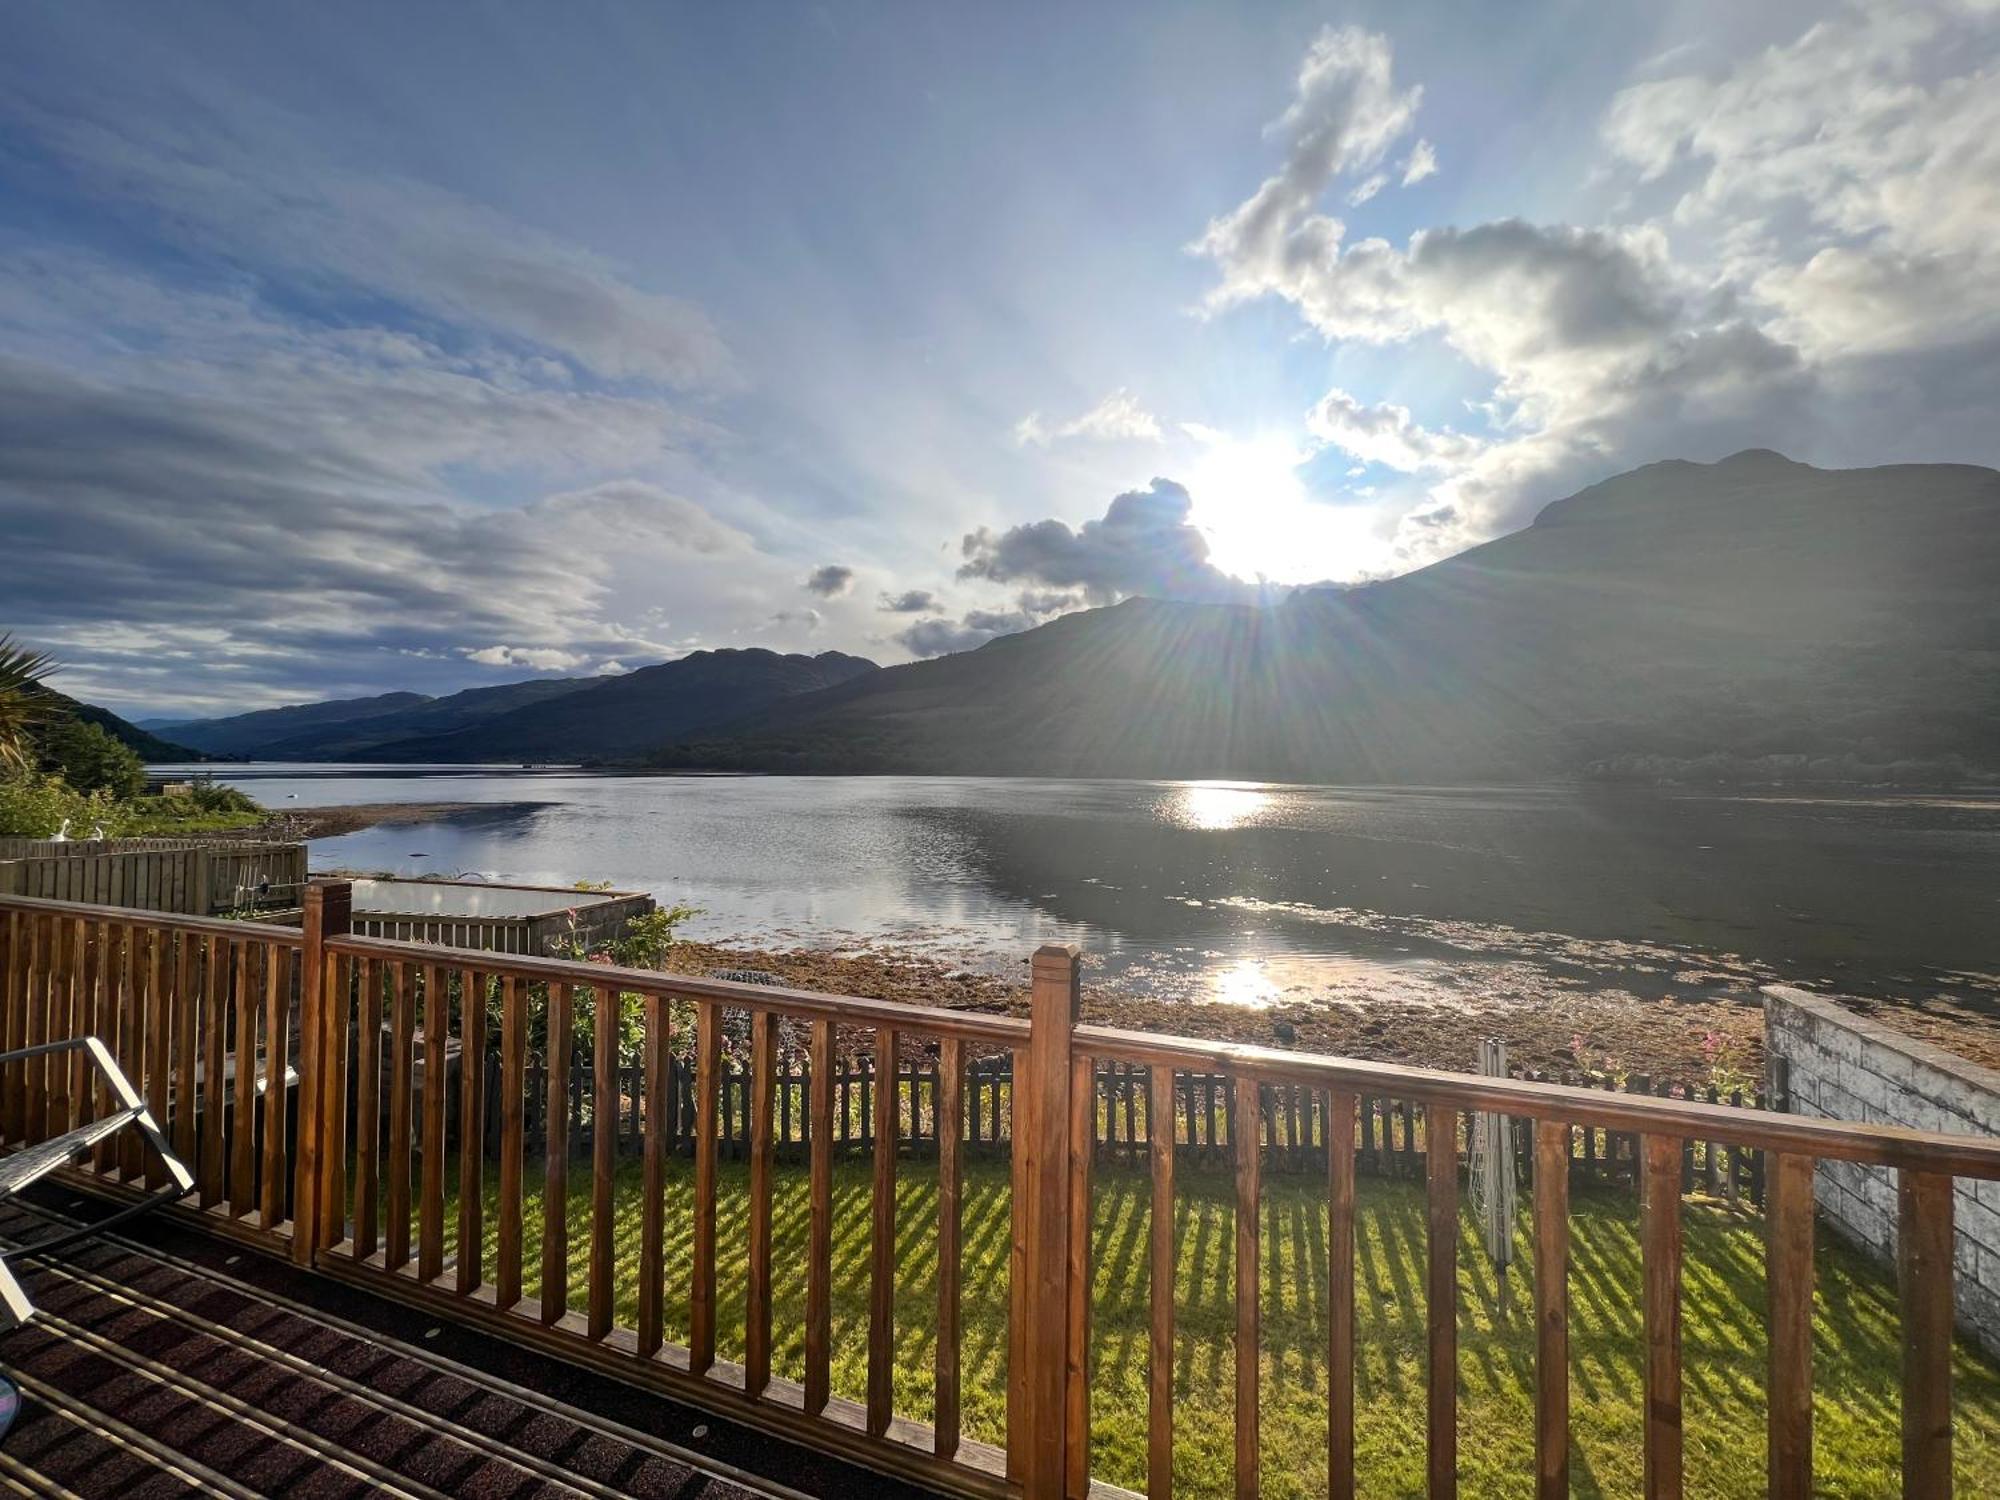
(1831, 1062)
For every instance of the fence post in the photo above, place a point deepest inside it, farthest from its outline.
(328, 910)
(201, 883)
(1038, 1442)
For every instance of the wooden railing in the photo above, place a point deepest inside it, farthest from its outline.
(378, 1196)
(201, 1015)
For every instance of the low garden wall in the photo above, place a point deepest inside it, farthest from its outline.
(1826, 1060)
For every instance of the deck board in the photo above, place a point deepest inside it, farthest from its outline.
(165, 1363)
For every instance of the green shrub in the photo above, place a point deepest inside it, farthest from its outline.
(88, 759)
(35, 806)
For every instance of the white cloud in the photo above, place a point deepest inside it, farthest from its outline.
(1368, 188)
(244, 186)
(1345, 115)
(1872, 142)
(1814, 239)
(1422, 162)
(536, 658)
(1117, 418)
(1386, 434)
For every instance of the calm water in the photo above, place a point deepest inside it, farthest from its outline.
(1241, 891)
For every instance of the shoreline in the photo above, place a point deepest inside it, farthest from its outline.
(331, 822)
(1619, 1033)
(1602, 1032)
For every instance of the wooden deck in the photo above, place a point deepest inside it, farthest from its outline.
(164, 1363)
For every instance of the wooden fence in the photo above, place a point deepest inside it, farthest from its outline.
(161, 875)
(361, 1184)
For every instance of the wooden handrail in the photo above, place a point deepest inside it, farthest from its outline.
(160, 921)
(849, 1010)
(1842, 1140)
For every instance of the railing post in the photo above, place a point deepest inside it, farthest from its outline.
(316, 1212)
(1038, 1441)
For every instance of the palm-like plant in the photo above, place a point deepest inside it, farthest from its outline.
(23, 703)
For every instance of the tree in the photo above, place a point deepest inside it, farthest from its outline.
(90, 760)
(23, 703)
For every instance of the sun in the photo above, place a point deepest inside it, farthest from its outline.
(1260, 522)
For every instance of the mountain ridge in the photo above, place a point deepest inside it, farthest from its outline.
(1751, 607)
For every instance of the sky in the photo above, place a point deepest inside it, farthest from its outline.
(346, 349)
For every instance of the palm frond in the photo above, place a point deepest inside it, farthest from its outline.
(24, 701)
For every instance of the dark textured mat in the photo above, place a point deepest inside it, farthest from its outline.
(313, 1420)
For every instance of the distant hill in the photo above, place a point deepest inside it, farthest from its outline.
(569, 719)
(623, 717)
(252, 735)
(1753, 610)
(147, 746)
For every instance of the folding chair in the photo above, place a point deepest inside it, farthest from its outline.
(32, 1163)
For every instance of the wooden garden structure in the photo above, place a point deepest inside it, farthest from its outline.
(197, 1009)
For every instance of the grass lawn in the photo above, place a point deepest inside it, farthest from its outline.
(1856, 1346)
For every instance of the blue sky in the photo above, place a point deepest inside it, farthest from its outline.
(355, 348)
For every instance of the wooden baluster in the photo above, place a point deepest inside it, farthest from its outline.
(513, 1147)
(819, 1246)
(1789, 1280)
(949, 1118)
(1660, 1244)
(402, 1043)
(1082, 1153)
(131, 1039)
(882, 1244)
(157, 1035)
(701, 1289)
(214, 1036)
(757, 1295)
(242, 1177)
(13, 1024)
(273, 1189)
(62, 983)
(1340, 1295)
(1441, 1300)
(430, 1196)
(471, 1130)
(187, 1012)
(1161, 1266)
(652, 1211)
(367, 1109)
(73, 1067)
(555, 1158)
(603, 1157)
(1551, 1310)
(1924, 1287)
(36, 995)
(1244, 1124)
(82, 1082)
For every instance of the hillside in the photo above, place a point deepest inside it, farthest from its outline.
(599, 718)
(251, 735)
(149, 747)
(612, 718)
(1748, 609)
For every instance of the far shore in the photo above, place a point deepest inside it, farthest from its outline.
(330, 822)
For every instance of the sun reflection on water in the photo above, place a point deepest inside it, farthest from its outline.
(1214, 806)
(1243, 982)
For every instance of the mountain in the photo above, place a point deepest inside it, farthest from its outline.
(1752, 610)
(612, 718)
(149, 747)
(599, 718)
(252, 735)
